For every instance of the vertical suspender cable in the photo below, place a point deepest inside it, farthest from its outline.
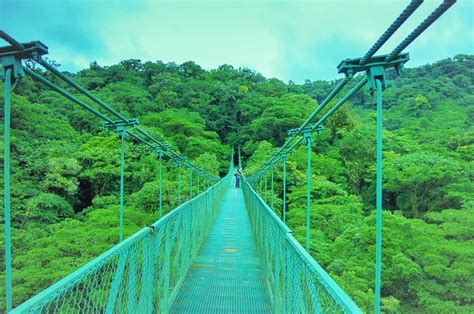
(160, 201)
(179, 183)
(6, 197)
(308, 191)
(272, 189)
(198, 183)
(283, 159)
(122, 161)
(266, 186)
(190, 183)
(240, 163)
(378, 241)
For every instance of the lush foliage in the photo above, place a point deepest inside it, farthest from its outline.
(66, 167)
(428, 231)
(65, 174)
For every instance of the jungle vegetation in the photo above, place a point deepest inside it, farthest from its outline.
(65, 171)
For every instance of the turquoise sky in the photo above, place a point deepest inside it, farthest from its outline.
(289, 40)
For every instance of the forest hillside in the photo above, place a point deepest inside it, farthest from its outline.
(65, 171)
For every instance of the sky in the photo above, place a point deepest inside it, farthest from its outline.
(289, 40)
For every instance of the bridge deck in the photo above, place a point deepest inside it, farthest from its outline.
(226, 276)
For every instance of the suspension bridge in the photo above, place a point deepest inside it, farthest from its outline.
(224, 250)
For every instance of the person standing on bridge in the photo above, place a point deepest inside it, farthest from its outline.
(237, 175)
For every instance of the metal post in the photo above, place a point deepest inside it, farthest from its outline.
(240, 164)
(266, 185)
(6, 198)
(307, 136)
(179, 183)
(121, 134)
(283, 159)
(190, 183)
(198, 179)
(378, 228)
(161, 185)
(272, 193)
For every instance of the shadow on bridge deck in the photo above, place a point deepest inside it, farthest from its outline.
(226, 276)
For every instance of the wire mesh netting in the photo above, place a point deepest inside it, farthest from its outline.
(297, 283)
(141, 274)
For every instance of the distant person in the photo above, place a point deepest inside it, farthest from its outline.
(237, 175)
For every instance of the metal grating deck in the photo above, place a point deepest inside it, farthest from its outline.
(226, 276)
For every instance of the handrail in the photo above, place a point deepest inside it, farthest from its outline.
(133, 273)
(296, 282)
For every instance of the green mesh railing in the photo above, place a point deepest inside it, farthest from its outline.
(296, 282)
(143, 273)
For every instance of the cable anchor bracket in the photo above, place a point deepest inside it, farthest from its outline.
(375, 68)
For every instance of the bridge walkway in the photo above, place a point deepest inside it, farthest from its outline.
(226, 276)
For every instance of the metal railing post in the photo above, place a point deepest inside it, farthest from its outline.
(239, 161)
(378, 227)
(307, 136)
(198, 183)
(7, 193)
(121, 135)
(266, 186)
(160, 200)
(179, 183)
(283, 159)
(272, 189)
(190, 183)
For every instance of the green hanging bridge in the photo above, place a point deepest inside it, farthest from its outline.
(224, 250)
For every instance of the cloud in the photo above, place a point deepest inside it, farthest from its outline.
(288, 40)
